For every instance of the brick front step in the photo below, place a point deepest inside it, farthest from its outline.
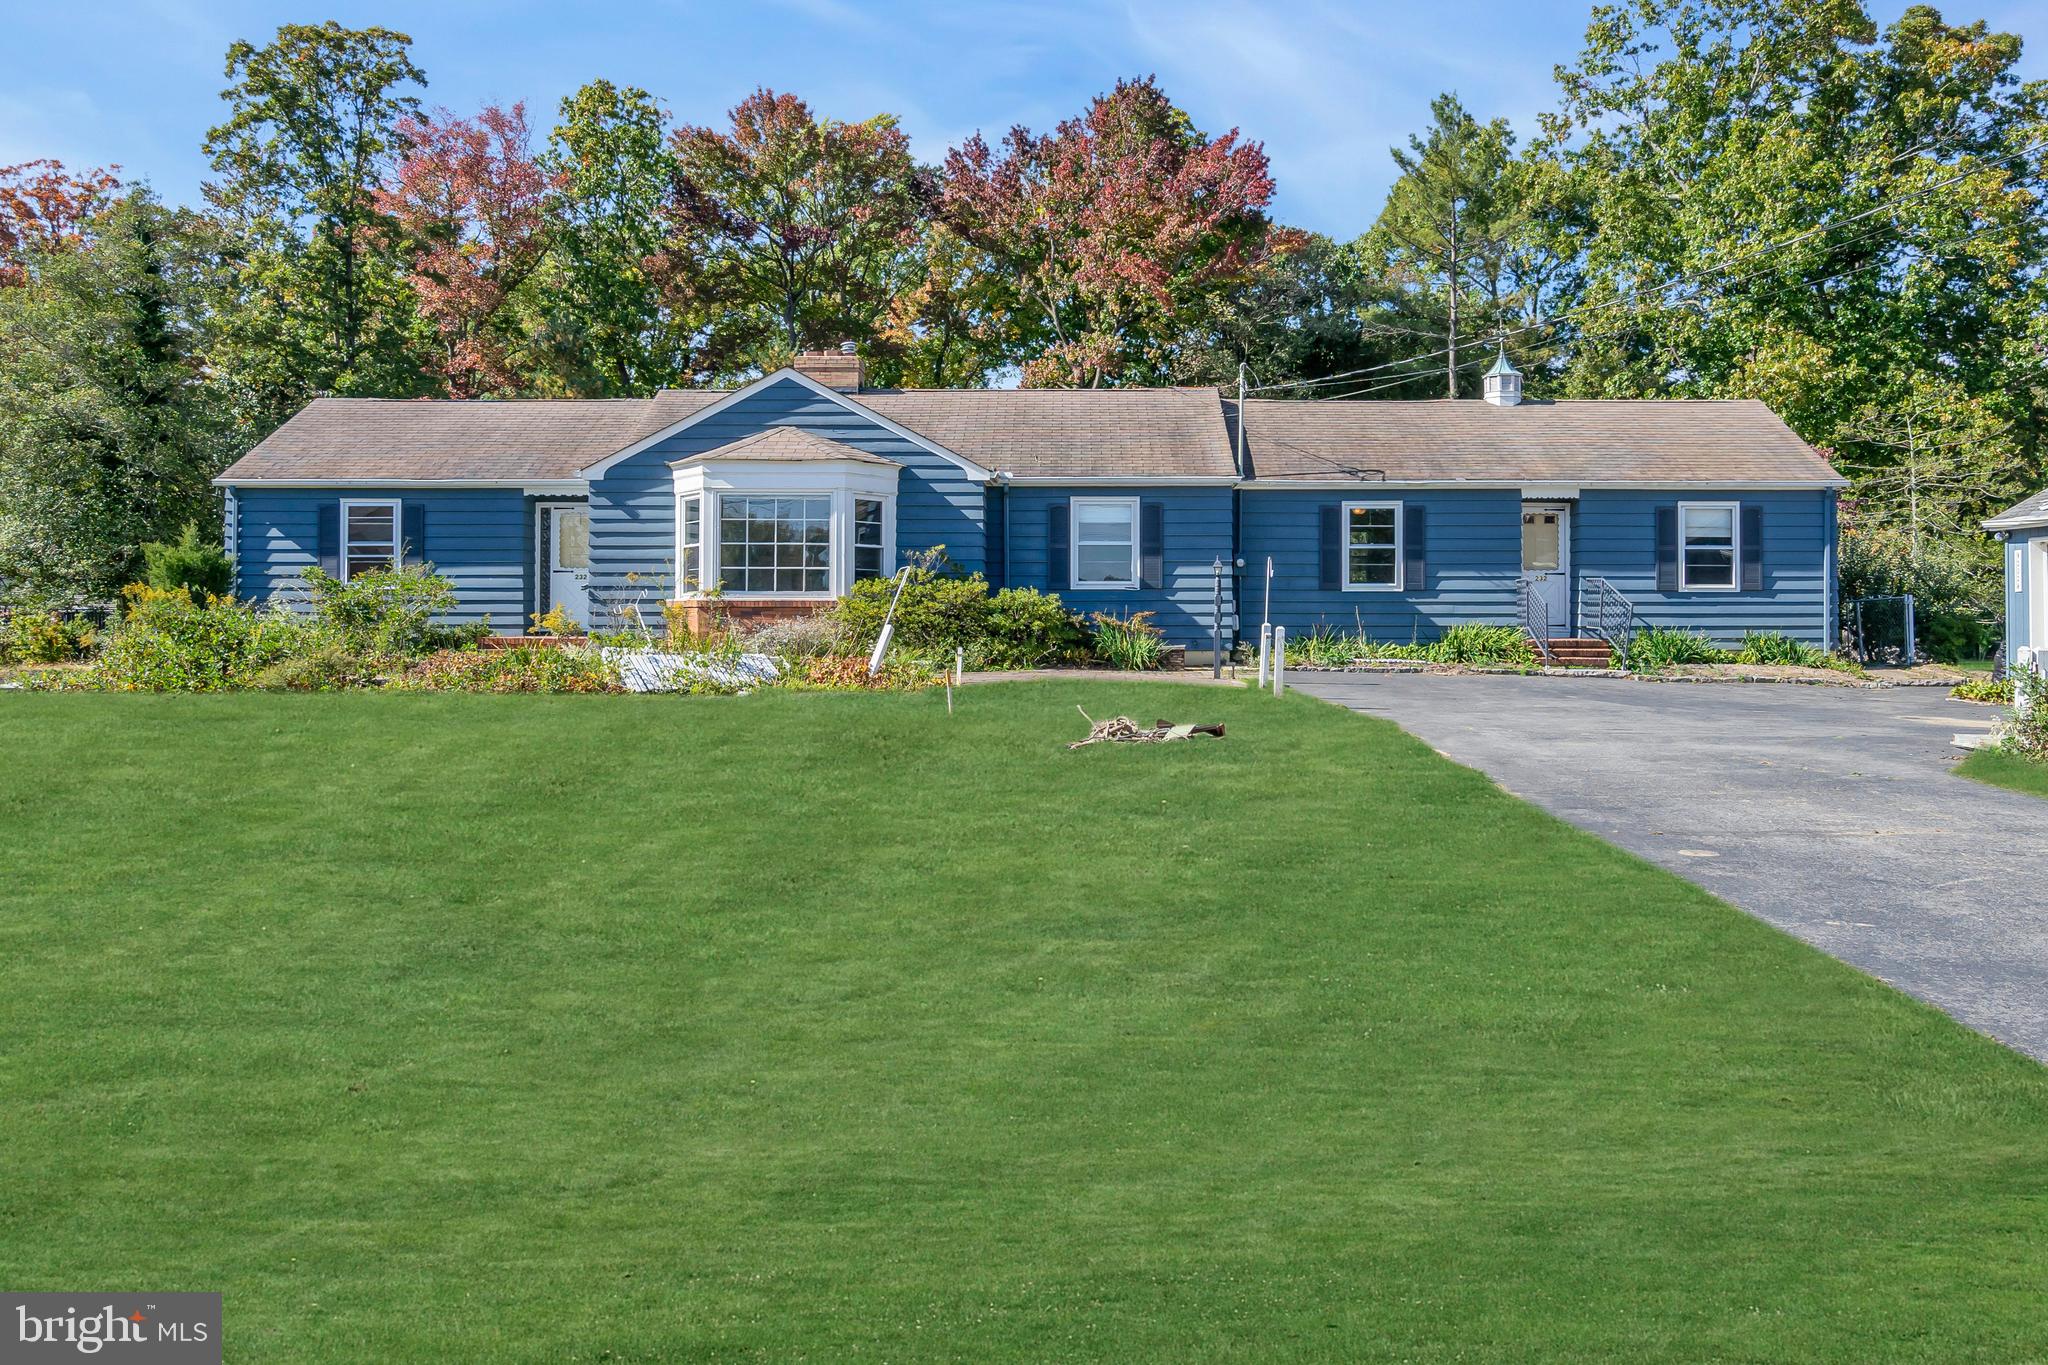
(1582, 653)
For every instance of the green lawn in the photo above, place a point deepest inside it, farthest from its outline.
(834, 1027)
(2001, 769)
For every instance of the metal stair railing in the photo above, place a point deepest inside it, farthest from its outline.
(1535, 614)
(1605, 614)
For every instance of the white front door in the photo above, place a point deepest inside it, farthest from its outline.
(1546, 560)
(569, 561)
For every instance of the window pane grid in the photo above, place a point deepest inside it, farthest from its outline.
(867, 538)
(369, 538)
(779, 544)
(693, 540)
(1372, 547)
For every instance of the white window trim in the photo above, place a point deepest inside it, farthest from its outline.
(1734, 583)
(1400, 546)
(397, 530)
(711, 482)
(1126, 584)
(705, 552)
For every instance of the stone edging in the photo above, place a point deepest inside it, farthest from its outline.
(1847, 680)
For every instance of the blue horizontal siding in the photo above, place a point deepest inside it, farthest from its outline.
(1471, 563)
(480, 539)
(2024, 563)
(1614, 537)
(1196, 523)
(1473, 560)
(632, 507)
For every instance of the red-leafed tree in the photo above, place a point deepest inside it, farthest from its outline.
(43, 207)
(467, 195)
(788, 231)
(1117, 229)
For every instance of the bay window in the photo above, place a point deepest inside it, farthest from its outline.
(745, 529)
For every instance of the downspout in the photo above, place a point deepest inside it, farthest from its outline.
(1003, 482)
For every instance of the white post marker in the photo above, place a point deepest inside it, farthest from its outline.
(1279, 661)
(2024, 659)
(881, 651)
(1265, 652)
(959, 669)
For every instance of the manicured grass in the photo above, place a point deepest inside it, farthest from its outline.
(2002, 769)
(834, 1027)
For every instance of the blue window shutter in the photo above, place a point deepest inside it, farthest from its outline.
(327, 550)
(1414, 547)
(414, 550)
(1056, 545)
(1332, 577)
(1667, 549)
(1752, 548)
(1151, 543)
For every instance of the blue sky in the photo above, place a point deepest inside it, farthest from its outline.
(1328, 87)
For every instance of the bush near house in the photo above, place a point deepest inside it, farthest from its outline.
(1472, 644)
(940, 613)
(1128, 642)
(31, 637)
(189, 563)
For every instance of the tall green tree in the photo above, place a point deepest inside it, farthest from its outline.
(1785, 202)
(111, 426)
(1454, 243)
(321, 304)
(788, 231)
(605, 327)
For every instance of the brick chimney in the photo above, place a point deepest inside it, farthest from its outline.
(838, 369)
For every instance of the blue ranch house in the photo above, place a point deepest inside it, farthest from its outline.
(1400, 518)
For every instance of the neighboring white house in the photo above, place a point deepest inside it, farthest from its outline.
(2024, 529)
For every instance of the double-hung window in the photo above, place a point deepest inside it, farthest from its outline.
(1105, 550)
(867, 538)
(1372, 546)
(774, 544)
(369, 537)
(691, 569)
(1708, 546)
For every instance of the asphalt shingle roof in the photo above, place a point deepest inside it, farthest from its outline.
(2026, 513)
(1646, 441)
(1087, 433)
(784, 444)
(1082, 433)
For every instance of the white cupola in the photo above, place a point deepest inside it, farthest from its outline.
(1503, 383)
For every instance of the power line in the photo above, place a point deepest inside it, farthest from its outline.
(1695, 277)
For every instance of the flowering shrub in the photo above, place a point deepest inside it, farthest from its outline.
(170, 643)
(45, 638)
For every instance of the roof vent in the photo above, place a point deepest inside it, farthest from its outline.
(838, 368)
(1503, 382)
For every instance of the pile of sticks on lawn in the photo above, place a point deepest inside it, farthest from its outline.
(1124, 730)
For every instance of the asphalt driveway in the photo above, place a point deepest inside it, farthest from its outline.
(1828, 812)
